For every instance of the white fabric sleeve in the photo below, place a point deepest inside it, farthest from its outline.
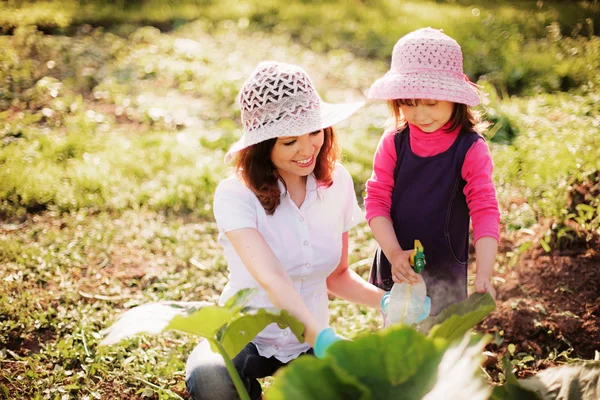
(234, 206)
(353, 215)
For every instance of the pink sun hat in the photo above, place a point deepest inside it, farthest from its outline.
(280, 100)
(426, 64)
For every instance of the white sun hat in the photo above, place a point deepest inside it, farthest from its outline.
(279, 100)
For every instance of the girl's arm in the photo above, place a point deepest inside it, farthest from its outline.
(378, 203)
(266, 269)
(483, 208)
(480, 192)
(485, 254)
(348, 285)
(384, 233)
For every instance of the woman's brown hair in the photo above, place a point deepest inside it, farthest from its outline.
(462, 115)
(256, 169)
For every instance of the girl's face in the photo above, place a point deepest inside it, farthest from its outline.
(296, 156)
(427, 115)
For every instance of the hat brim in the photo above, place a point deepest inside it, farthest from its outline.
(324, 116)
(425, 85)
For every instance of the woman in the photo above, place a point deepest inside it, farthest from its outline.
(283, 221)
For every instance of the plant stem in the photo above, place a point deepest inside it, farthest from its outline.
(237, 381)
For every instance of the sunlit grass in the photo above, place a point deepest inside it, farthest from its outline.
(367, 29)
(111, 147)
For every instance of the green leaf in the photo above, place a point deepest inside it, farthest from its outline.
(310, 378)
(545, 246)
(458, 375)
(525, 246)
(397, 363)
(512, 390)
(585, 207)
(575, 381)
(453, 322)
(244, 328)
(238, 301)
(374, 361)
(204, 322)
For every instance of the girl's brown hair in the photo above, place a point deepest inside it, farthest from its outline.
(462, 115)
(256, 169)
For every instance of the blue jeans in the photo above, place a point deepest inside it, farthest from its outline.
(206, 376)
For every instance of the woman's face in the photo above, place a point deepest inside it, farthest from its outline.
(428, 115)
(295, 156)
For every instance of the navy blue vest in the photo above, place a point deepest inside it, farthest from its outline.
(428, 204)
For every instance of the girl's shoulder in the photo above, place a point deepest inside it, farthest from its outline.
(472, 132)
(394, 131)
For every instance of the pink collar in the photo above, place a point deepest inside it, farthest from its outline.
(426, 144)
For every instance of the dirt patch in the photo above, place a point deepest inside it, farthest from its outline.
(549, 309)
(31, 343)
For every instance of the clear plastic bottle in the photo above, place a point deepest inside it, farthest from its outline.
(406, 303)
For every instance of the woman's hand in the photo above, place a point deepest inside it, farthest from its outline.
(325, 338)
(402, 271)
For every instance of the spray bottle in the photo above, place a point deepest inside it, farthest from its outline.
(407, 302)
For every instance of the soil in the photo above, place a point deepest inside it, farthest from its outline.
(548, 308)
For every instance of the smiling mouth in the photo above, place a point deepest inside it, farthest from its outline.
(306, 162)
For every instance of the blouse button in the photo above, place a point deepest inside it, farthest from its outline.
(285, 333)
(307, 265)
(301, 219)
(306, 242)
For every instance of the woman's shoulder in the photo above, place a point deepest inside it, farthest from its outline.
(340, 172)
(232, 186)
(341, 178)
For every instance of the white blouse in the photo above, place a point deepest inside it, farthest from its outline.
(306, 240)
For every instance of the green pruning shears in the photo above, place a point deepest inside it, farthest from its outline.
(417, 258)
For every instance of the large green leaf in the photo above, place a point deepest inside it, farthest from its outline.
(399, 362)
(209, 320)
(579, 381)
(152, 318)
(232, 325)
(311, 378)
(453, 322)
(205, 322)
(238, 301)
(244, 328)
(458, 374)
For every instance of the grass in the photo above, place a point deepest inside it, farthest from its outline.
(369, 29)
(112, 144)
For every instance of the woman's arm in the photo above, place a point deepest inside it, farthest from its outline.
(266, 269)
(348, 285)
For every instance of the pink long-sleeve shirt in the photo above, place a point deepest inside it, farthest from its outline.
(476, 171)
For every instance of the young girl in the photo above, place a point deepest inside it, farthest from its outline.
(432, 173)
(283, 221)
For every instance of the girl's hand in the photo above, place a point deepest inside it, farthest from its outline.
(483, 285)
(402, 271)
